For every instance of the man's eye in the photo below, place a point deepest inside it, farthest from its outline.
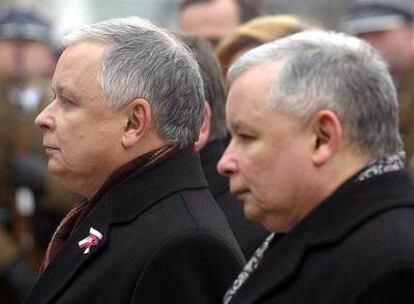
(66, 102)
(245, 137)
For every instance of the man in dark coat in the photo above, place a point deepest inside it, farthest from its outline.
(120, 131)
(211, 144)
(316, 153)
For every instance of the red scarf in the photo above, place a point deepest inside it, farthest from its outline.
(82, 209)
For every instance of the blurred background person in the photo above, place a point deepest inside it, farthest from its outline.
(72, 13)
(212, 143)
(215, 19)
(31, 201)
(388, 25)
(256, 32)
(16, 275)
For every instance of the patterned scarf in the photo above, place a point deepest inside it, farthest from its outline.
(76, 216)
(380, 166)
(250, 266)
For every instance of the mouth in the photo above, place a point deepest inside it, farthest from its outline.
(49, 149)
(239, 193)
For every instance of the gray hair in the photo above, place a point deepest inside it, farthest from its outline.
(145, 61)
(325, 70)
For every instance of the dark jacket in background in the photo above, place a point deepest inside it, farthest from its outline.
(164, 241)
(249, 234)
(357, 247)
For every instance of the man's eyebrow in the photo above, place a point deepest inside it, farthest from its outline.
(236, 126)
(56, 88)
(62, 90)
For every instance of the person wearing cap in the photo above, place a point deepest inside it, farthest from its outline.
(31, 201)
(26, 63)
(388, 25)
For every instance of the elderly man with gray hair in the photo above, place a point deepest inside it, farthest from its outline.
(316, 154)
(120, 131)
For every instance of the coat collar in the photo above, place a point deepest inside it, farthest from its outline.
(349, 207)
(125, 203)
(181, 172)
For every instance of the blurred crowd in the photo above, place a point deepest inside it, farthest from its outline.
(32, 202)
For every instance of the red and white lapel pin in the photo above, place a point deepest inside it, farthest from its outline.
(92, 240)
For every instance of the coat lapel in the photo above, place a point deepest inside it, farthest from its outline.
(352, 205)
(69, 261)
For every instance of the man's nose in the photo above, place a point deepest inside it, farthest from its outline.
(227, 164)
(44, 120)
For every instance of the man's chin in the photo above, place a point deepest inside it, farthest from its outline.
(251, 212)
(55, 168)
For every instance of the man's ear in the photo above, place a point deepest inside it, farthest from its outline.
(138, 122)
(205, 128)
(327, 134)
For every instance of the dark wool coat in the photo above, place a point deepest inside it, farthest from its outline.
(165, 240)
(356, 247)
(249, 235)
